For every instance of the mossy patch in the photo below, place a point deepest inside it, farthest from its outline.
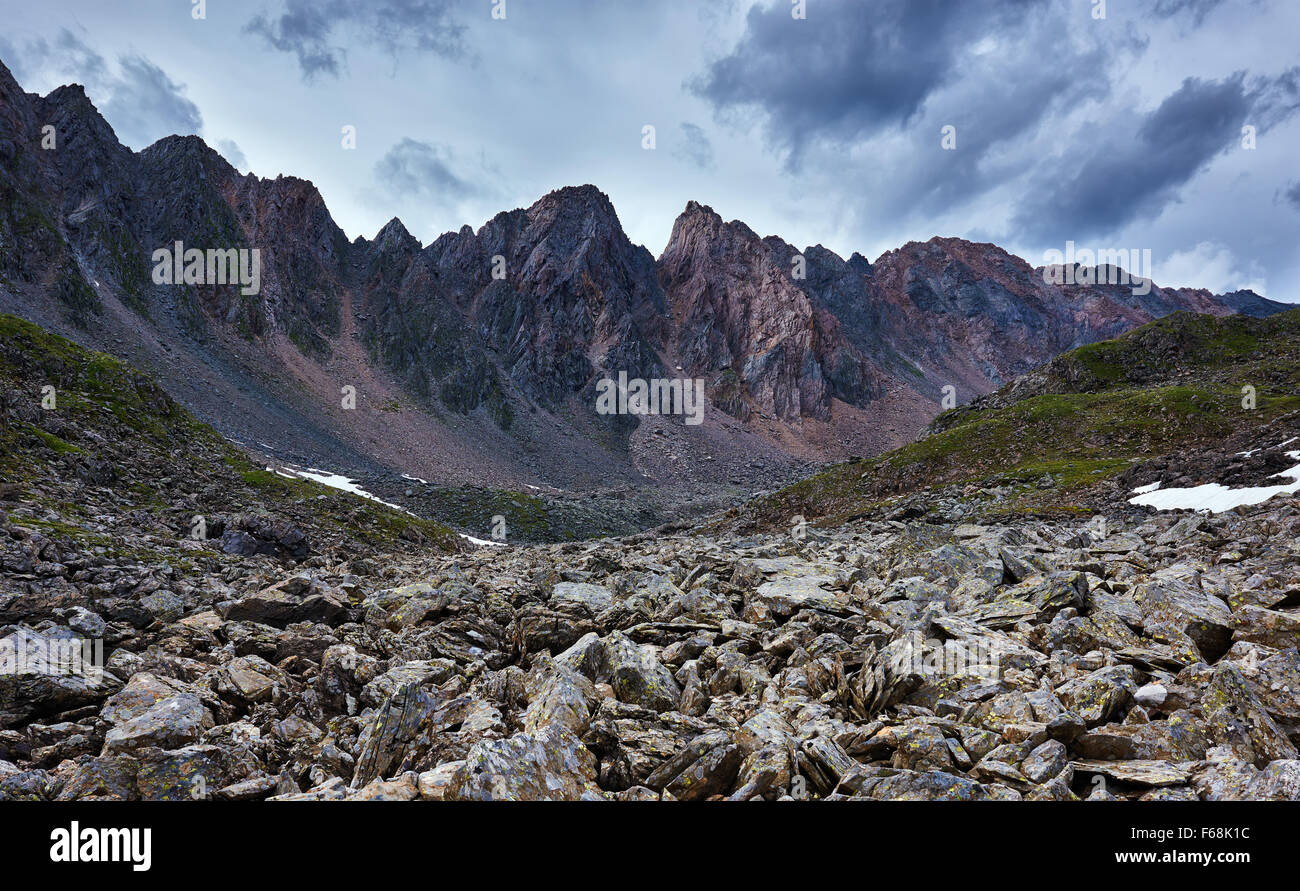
(1173, 384)
(150, 448)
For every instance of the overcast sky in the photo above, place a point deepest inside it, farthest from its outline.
(1117, 132)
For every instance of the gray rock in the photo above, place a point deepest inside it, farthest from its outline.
(1045, 762)
(549, 765)
(41, 675)
(169, 723)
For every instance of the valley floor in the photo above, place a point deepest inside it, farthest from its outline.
(885, 659)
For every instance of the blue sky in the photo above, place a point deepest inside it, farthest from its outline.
(1115, 132)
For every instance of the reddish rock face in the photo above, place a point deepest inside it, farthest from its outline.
(740, 319)
(805, 352)
(946, 312)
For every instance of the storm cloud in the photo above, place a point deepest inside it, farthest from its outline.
(865, 125)
(850, 68)
(1103, 186)
(415, 169)
(315, 32)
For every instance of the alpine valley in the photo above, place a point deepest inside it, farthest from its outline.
(351, 525)
(475, 361)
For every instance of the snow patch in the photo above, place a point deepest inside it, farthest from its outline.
(1215, 498)
(1249, 452)
(482, 542)
(343, 484)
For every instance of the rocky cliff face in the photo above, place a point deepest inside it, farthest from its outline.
(483, 330)
(792, 331)
(742, 319)
(547, 297)
(976, 316)
(35, 250)
(83, 203)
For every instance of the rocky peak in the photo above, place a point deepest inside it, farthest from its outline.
(17, 126)
(743, 320)
(698, 230)
(957, 258)
(79, 125)
(575, 201)
(859, 264)
(568, 232)
(8, 83)
(89, 160)
(394, 236)
(388, 257)
(1248, 303)
(73, 99)
(182, 157)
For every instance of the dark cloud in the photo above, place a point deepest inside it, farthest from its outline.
(974, 67)
(694, 146)
(139, 100)
(1104, 184)
(1002, 100)
(231, 152)
(851, 68)
(307, 29)
(302, 29)
(414, 169)
(145, 104)
(1197, 9)
(1292, 194)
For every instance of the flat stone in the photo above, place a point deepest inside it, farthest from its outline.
(1143, 773)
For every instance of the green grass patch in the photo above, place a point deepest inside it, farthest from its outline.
(1173, 384)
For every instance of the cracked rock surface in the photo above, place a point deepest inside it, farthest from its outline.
(883, 659)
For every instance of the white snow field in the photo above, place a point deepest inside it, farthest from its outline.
(1214, 498)
(345, 484)
(342, 483)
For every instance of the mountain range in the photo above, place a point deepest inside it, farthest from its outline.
(1083, 581)
(475, 359)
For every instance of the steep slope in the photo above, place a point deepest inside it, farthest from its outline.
(789, 333)
(566, 299)
(99, 461)
(976, 317)
(476, 358)
(741, 319)
(1209, 397)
